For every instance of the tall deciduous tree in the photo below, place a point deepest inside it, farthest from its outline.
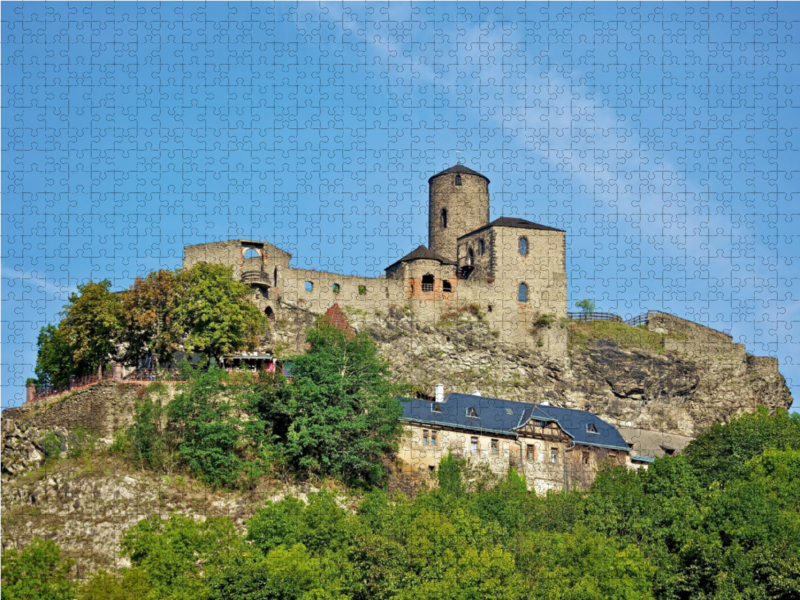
(54, 363)
(215, 311)
(149, 309)
(338, 415)
(93, 325)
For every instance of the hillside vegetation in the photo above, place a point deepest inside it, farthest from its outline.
(720, 521)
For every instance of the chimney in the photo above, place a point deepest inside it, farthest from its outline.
(476, 393)
(439, 392)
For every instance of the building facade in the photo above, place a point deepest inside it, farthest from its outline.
(550, 447)
(512, 270)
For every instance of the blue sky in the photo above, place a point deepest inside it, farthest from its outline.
(660, 136)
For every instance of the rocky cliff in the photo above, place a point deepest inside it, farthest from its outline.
(670, 375)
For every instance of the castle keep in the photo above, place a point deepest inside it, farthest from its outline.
(512, 270)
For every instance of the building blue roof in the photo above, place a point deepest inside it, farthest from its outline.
(505, 417)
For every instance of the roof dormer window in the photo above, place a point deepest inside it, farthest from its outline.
(436, 407)
(591, 428)
(471, 412)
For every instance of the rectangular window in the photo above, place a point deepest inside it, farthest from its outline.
(424, 437)
(495, 447)
(585, 459)
(554, 455)
(474, 445)
(529, 452)
(433, 438)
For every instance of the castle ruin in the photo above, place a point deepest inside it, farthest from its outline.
(512, 270)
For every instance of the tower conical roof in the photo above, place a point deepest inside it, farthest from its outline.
(459, 169)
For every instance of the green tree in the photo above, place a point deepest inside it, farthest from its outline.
(92, 323)
(338, 415)
(721, 453)
(37, 572)
(217, 430)
(54, 358)
(147, 433)
(320, 526)
(215, 311)
(149, 308)
(450, 475)
(585, 305)
(584, 566)
(177, 555)
(283, 574)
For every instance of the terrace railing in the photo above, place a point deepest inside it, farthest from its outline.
(75, 382)
(593, 316)
(165, 375)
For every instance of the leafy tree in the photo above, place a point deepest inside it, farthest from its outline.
(149, 308)
(584, 566)
(450, 473)
(338, 415)
(92, 324)
(176, 556)
(54, 359)
(217, 429)
(147, 432)
(37, 572)
(215, 311)
(283, 574)
(721, 453)
(320, 526)
(585, 305)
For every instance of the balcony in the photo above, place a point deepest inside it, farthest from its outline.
(257, 278)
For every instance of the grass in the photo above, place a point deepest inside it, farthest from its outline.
(583, 332)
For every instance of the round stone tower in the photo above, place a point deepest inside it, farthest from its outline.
(458, 203)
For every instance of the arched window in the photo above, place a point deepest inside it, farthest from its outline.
(427, 283)
(523, 292)
(523, 246)
(482, 246)
(269, 312)
(251, 253)
(458, 179)
(470, 257)
(309, 286)
(446, 287)
(444, 218)
(275, 278)
(336, 288)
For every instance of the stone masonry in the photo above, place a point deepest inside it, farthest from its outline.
(511, 270)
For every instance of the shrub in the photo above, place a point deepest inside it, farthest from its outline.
(52, 444)
(544, 321)
(37, 572)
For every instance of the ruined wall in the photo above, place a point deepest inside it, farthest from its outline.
(699, 342)
(467, 208)
(361, 293)
(104, 407)
(231, 253)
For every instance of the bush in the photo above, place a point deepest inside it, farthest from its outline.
(81, 440)
(544, 321)
(52, 444)
(37, 572)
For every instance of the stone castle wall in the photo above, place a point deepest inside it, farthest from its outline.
(467, 209)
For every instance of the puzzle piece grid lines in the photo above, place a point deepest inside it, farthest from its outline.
(659, 136)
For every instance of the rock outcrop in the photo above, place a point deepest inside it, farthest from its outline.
(671, 376)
